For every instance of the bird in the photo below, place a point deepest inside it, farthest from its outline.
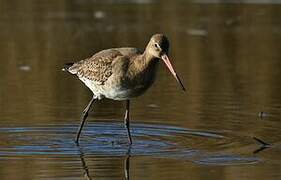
(121, 74)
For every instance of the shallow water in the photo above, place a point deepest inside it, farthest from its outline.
(228, 56)
(103, 141)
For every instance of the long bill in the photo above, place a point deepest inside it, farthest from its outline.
(166, 60)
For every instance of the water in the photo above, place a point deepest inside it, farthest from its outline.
(227, 55)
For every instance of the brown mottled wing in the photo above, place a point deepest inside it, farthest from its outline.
(96, 68)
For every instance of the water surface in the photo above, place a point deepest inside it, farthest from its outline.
(228, 55)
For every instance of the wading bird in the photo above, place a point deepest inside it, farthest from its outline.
(121, 74)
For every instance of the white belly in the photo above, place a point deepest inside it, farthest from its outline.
(121, 86)
(114, 90)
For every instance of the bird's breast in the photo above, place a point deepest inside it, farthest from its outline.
(130, 84)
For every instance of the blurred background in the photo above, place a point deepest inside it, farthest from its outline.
(226, 52)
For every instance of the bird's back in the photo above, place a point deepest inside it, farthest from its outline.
(96, 71)
(99, 67)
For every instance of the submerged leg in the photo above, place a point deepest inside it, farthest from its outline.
(127, 121)
(83, 118)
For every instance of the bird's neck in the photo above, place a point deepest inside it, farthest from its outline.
(148, 61)
(144, 63)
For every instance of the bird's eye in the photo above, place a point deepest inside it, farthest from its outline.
(156, 45)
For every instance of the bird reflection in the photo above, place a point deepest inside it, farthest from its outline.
(84, 165)
(126, 165)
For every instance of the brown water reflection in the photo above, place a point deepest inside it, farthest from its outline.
(228, 56)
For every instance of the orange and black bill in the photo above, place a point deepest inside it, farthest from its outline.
(170, 67)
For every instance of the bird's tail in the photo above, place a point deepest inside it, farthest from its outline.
(67, 66)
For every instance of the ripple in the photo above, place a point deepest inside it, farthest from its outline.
(109, 139)
(226, 160)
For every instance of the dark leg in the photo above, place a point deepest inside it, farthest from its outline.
(127, 121)
(83, 118)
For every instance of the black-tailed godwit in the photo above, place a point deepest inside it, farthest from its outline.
(121, 74)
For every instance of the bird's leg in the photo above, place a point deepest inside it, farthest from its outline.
(84, 115)
(127, 121)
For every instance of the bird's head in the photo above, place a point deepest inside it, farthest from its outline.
(158, 47)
